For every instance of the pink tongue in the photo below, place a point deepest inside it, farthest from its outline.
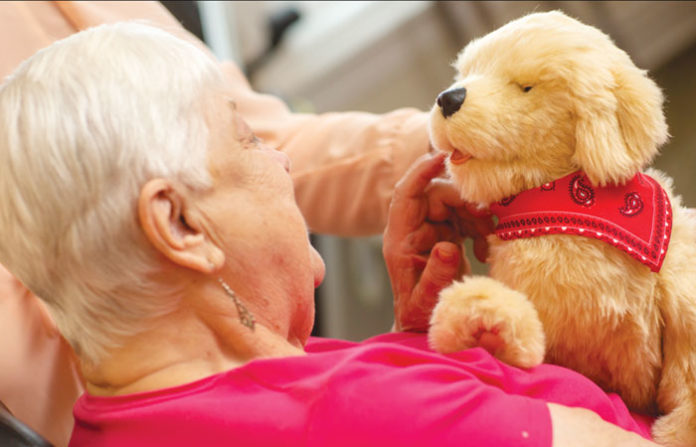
(458, 158)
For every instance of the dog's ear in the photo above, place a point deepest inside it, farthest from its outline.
(639, 110)
(620, 125)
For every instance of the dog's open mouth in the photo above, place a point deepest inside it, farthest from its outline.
(458, 157)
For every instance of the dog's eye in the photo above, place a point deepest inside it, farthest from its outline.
(526, 88)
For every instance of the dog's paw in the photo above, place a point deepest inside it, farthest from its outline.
(481, 311)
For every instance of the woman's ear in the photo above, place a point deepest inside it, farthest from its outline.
(162, 208)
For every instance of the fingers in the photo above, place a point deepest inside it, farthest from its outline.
(445, 264)
(443, 194)
(477, 228)
(428, 234)
(416, 180)
(476, 221)
(441, 269)
(408, 209)
(427, 220)
(446, 205)
(481, 249)
(404, 270)
(442, 198)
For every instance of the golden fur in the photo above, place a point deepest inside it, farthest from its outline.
(603, 313)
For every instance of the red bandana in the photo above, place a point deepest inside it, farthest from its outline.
(635, 217)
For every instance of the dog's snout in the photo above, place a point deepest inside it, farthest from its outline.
(450, 101)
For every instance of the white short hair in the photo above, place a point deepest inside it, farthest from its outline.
(84, 124)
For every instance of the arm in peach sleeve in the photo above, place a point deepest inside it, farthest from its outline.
(349, 193)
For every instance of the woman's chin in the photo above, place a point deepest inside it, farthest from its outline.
(318, 267)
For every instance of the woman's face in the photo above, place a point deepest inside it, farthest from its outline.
(257, 223)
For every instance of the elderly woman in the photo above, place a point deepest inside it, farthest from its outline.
(334, 156)
(166, 241)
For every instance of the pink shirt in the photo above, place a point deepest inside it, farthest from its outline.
(389, 390)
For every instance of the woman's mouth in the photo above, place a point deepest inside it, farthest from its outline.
(458, 157)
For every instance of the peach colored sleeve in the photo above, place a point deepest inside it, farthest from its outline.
(345, 183)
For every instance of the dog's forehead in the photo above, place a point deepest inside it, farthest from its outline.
(514, 58)
(534, 42)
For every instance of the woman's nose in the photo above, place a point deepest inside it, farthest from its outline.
(279, 156)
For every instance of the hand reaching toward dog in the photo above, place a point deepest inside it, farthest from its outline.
(427, 223)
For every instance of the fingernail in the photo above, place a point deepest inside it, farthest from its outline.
(445, 255)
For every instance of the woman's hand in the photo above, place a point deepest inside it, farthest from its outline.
(426, 225)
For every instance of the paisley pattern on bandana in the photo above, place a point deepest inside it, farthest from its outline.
(635, 217)
(633, 205)
(581, 191)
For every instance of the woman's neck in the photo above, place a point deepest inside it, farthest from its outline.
(182, 347)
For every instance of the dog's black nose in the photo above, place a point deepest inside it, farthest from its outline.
(451, 100)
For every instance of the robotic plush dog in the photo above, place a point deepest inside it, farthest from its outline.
(593, 261)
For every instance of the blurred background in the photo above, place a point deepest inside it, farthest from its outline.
(376, 56)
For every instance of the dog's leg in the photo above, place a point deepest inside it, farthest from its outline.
(481, 311)
(676, 391)
(676, 394)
